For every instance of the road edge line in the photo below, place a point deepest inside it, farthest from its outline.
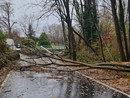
(99, 82)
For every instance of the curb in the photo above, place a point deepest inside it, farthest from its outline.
(7, 77)
(112, 88)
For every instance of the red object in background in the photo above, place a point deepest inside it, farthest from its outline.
(106, 37)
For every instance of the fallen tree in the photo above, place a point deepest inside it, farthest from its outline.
(57, 60)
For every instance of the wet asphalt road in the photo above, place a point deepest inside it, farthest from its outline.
(52, 85)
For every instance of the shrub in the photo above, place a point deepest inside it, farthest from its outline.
(44, 41)
(3, 46)
(28, 42)
(2, 36)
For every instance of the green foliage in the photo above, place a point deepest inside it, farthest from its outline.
(28, 42)
(3, 46)
(44, 41)
(2, 36)
(35, 39)
(6, 54)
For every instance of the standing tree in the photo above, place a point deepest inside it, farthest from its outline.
(120, 22)
(129, 25)
(44, 41)
(5, 17)
(30, 31)
(122, 26)
(64, 11)
(27, 25)
(86, 13)
(55, 34)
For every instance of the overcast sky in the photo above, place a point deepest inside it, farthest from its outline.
(20, 8)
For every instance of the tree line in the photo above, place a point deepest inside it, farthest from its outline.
(87, 15)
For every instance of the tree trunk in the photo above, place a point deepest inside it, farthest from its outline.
(64, 33)
(129, 26)
(116, 22)
(72, 43)
(101, 45)
(9, 26)
(122, 27)
(74, 46)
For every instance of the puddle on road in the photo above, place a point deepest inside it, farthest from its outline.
(28, 84)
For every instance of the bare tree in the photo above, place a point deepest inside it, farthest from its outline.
(28, 24)
(55, 34)
(5, 17)
(65, 13)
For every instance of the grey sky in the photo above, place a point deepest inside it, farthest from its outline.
(20, 9)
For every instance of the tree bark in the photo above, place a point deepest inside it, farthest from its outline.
(122, 28)
(129, 25)
(8, 20)
(117, 28)
(72, 43)
(64, 33)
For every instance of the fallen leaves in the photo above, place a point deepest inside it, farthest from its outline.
(114, 79)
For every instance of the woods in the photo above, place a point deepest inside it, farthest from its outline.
(88, 29)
